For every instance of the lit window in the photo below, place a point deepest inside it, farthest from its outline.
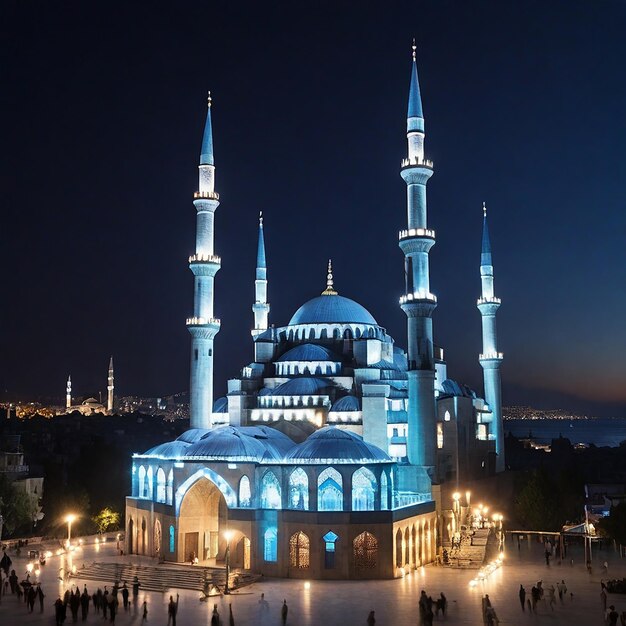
(481, 431)
(270, 545)
(170, 487)
(299, 549)
(440, 435)
(299, 490)
(245, 496)
(330, 490)
(270, 491)
(148, 490)
(160, 477)
(141, 492)
(329, 549)
(172, 538)
(384, 493)
(446, 416)
(365, 551)
(363, 490)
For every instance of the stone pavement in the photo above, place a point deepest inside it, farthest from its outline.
(345, 603)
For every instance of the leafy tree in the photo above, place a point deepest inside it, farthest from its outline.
(615, 524)
(106, 519)
(16, 506)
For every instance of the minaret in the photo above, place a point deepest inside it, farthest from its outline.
(418, 303)
(261, 307)
(68, 393)
(110, 387)
(204, 265)
(490, 359)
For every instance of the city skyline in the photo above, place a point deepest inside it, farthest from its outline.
(123, 222)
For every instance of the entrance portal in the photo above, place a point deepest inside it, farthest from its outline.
(203, 512)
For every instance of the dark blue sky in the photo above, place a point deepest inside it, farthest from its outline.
(103, 106)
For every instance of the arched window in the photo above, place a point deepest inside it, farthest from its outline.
(142, 482)
(399, 549)
(157, 536)
(299, 549)
(363, 490)
(245, 496)
(170, 487)
(365, 551)
(172, 539)
(160, 477)
(329, 549)
(384, 492)
(149, 485)
(329, 490)
(299, 490)
(270, 491)
(446, 416)
(270, 545)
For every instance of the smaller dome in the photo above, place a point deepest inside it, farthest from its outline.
(333, 445)
(169, 449)
(271, 438)
(221, 405)
(305, 386)
(90, 401)
(346, 404)
(309, 352)
(192, 435)
(229, 444)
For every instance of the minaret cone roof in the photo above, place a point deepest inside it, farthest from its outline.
(206, 154)
(415, 98)
(260, 255)
(485, 253)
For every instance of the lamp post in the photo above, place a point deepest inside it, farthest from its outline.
(228, 535)
(69, 519)
(456, 496)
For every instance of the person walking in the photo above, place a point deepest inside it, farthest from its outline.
(59, 611)
(113, 607)
(612, 616)
(283, 612)
(172, 610)
(84, 603)
(551, 596)
(371, 620)
(215, 616)
(30, 598)
(136, 585)
(522, 597)
(125, 595)
(104, 602)
(40, 596)
(145, 612)
(442, 604)
(562, 589)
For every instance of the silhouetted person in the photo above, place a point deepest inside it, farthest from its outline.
(215, 616)
(5, 562)
(84, 604)
(136, 585)
(41, 596)
(59, 612)
(172, 609)
(371, 620)
(145, 612)
(125, 596)
(522, 597)
(283, 612)
(31, 594)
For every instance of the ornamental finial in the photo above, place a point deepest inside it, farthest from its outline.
(414, 48)
(484, 210)
(330, 290)
(209, 99)
(261, 218)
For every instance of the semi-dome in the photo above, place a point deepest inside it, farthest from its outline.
(304, 386)
(346, 404)
(333, 445)
(309, 352)
(229, 444)
(332, 309)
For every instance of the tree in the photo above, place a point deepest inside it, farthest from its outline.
(106, 519)
(615, 524)
(16, 506)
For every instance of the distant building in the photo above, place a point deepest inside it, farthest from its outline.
(325, 456)
(91, 406)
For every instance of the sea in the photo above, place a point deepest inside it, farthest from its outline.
(598, 431)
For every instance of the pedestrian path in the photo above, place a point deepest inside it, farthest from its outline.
(472, 550)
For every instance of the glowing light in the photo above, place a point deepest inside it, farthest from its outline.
(228, 535)
(29, 567)
(456, 496)
(70, 518)
(307, 585)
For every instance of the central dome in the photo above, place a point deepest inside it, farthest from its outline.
(332, 309)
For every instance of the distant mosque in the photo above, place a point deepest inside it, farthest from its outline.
(325, 459)
(91, 406)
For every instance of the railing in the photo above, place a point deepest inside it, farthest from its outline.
(416, 161)
(491, 355)
(418, 295)
(210, 195)
(416, 232)
(491, 300)
(204, 258)
(203, 321)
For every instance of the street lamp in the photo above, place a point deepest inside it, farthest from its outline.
(228, 535)
(69, 519)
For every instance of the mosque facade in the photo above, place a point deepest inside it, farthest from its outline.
(326, 455)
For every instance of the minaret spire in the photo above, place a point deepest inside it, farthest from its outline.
(261, 307)
(330, 290)
(490, 359)
(418, 302)
(204, 264)
(110, 388)
(68, 393)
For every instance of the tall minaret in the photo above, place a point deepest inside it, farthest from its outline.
(204, 265)
(490, 359)
(261, 307)
(68, 392)
(110, 388)
(418, 303)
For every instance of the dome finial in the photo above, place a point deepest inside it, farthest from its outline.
(484, 209)
(330, 290)
(414, 48)
(209, 99)
(261, 218)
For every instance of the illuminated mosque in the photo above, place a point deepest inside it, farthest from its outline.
(326, 457)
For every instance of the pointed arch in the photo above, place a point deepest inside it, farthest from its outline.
(141, 491)
(330, 490)
(384, 491)
(299, 490)
(245, 494)
(270, 545)
(365, 551)
(270, 491)
(169, 496)
(149, 484)
(227, 491)
(299, 550)
(363, 490)
(160, 485)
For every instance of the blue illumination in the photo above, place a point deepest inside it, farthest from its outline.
(384, 492)
(227, 491)
(363, 490)
(170, 487)
(245, 496)
(270, 491)
(329, 490)
(172, 539)
(270, 545)
(160, 480)
(142, 491)
(299, 490)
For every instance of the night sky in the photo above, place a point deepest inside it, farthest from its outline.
(103, 106)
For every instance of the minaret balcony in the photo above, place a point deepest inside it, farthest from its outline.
(203, 321)
(205, 258)
(410, 162)
(418, 296)
(491, 356)
(416, 232)
(489, 300)
(206, 195)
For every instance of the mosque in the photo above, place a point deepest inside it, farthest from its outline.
(326, 456)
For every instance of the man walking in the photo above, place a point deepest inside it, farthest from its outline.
(284, 611)
(522, 597)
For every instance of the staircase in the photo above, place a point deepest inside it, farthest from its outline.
(163, 577)
(472, 551)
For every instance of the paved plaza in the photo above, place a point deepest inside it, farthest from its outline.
(345, 603)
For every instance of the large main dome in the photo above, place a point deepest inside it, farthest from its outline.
(332, 309)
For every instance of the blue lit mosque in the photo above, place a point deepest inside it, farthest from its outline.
(325, 458)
